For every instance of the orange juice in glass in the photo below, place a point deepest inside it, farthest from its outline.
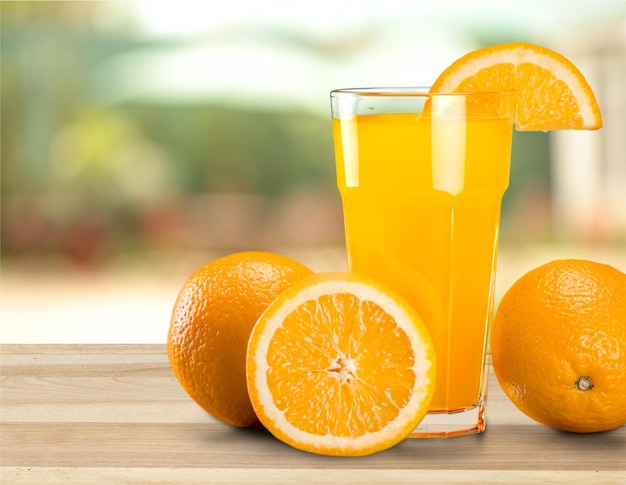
(421, 178)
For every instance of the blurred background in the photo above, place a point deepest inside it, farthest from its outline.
(141, 139)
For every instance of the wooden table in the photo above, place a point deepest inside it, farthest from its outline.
(115, 414)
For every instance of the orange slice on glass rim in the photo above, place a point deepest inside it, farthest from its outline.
(551, 93)
(339, 364)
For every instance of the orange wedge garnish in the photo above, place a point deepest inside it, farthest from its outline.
(339, 364)
(551, 93)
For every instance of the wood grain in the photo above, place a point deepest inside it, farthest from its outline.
(115, 413)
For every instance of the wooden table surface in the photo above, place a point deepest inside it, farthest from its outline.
(115, 414)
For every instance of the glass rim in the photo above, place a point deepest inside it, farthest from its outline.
(409, 91)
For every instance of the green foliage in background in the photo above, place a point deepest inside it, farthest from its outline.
(220, 148)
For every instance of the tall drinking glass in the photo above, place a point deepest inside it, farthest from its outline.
(421, 178)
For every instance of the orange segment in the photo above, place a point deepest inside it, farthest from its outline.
(340, 365)
(551, 92)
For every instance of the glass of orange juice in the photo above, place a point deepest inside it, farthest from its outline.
(421, 178)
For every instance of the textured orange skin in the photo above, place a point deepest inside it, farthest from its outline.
(211, 323)
(560, 322)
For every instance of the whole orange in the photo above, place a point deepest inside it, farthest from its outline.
(559, 345)
(211, 323)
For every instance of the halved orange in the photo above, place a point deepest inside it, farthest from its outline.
(339, 364)
(551, 93)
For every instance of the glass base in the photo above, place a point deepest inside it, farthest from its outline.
(446, 425)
